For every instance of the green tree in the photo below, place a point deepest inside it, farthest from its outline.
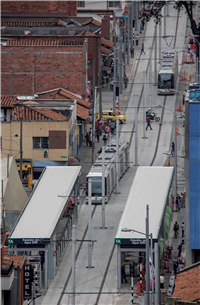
(153, 10)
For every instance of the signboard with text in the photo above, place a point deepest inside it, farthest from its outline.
(27, 282)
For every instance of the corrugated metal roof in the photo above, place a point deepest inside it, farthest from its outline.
(150, 186)
(46, 205)
(107, 42)
(105, 51)
(92, 21)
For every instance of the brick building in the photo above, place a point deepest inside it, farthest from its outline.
(34, 65)
(39, 7)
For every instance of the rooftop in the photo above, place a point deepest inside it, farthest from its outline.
(187, 284)
(16, 259)
(44, 42)
(8, 101)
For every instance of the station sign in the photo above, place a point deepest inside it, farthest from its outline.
(131, 242)
(27, 241)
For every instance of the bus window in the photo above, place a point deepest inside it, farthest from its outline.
(165, 81)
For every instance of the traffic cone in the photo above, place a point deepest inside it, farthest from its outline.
(168, 163)
(184, 75)
(181, 78)
(190, 79)
(179, 106)
(177, 130)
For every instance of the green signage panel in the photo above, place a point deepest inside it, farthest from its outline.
(118, 241)
(64, 157)
(10, 241)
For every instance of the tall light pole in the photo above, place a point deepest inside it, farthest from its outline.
(21, 148)
(147, 251)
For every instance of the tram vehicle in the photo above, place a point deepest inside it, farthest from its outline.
(167, 76)
(95, 173)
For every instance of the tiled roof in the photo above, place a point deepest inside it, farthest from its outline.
(27, 23)
(16, 259)
(36, 114)
(107, 42)
(8, 101)
(105, 51)
(36, 42)
(60, 93)
(187, 284)
(92, 21)
(86, 33)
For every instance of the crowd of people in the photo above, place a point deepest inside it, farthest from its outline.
(178, 202)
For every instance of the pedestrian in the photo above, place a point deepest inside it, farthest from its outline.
(173, 204)
(132, 51)
(162, 282)
(175, 264)
(90, 137)
(112, 127)
(148, 123)
(105, 136)
(143, 22)
(191, 55)
(137, 39)
(183, 228)
(141, 27)
(87, 139)
(179, 249)
(98, 132)
(117, 110)
(142, 50)
(172, 150)
(123, 274)
(42, 259)
(179, 203)
(176, 229)
(180, 266)
(125, 79)
(101, 126)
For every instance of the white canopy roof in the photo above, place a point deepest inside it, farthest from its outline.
(43, 210)
(150, 186)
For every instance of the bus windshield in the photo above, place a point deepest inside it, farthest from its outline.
(165, 81)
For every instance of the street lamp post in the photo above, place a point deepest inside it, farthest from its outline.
(147, 252)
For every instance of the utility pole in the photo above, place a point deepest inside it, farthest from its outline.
(103, 187)
(160, 41)
(93, 122)
(144, 105)
(121, 63)
(155, 62)
(117, 156)
(89, 223)
(114, 80)
(164, 20)
(21, 150)
(147, 255)
(125, 45)
(128, 22)
(175, 158)
(150, 76)
(136, 131)
(73, 263)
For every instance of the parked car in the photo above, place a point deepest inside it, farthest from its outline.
(109, 114)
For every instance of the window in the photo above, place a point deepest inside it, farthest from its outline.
(40, 143)
(114, 3)
(81, 3)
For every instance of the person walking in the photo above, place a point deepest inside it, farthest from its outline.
(137, 39)
(141, 27)
(148, 123)
(142, 50)
(175, 264)
(162, 282)
(90, 137)
(105, 136)
(176, 229)
(112, 127)
(183, 228)
(123, 274)
(179, 203)
(125, 79)
(132, 51)
(172, 150)
(87, 139)
(98, 134)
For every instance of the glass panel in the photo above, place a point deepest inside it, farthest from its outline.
(45, 142)
(165, 81)
(36, 143)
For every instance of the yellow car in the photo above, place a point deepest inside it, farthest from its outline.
(107, 114)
